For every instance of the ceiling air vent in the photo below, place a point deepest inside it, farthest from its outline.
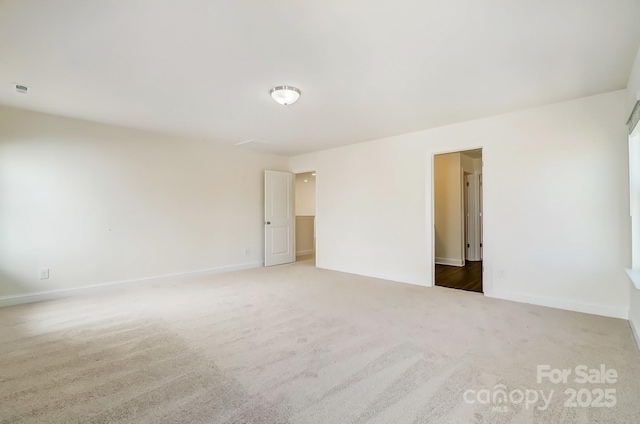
(22, 89)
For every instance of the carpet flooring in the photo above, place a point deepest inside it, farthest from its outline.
(296, 344)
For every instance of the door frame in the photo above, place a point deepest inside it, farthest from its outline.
(431, 220)
(473, 219)
(304, 171)
(467, 218)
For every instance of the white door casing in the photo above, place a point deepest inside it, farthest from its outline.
(279, 218)
(469, 224)
(473, 210)
(480, 216)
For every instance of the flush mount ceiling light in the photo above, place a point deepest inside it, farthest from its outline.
(285, 94)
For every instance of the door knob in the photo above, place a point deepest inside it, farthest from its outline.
(268, 223)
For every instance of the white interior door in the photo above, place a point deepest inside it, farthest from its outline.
(468, 219)
(279, 218)
(480, 223)
(472, 210)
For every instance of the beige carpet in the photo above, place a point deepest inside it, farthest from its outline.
(293, 344)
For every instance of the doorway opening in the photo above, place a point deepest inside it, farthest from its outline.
(305, 213)
(457, 196)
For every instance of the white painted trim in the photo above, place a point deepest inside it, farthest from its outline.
(635, 332)
(587, 308)
(472, 247)
(305, 252)
(449, 261)
(634, 275)
(76, 291)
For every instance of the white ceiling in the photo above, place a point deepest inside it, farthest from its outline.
(367, 69)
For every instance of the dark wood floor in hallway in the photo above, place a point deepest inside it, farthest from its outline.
(468, 277)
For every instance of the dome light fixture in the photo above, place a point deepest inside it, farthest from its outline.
(285, 94)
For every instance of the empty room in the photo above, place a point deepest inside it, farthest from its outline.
(239, 212)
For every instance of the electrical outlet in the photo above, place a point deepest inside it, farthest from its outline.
(44, 273)
(246, 251)
(501, 273)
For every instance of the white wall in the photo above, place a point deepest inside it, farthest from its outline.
(97, 204)
(448, 209)
(556, 208)
(305, 194)
(633, 86)
(305, 235)
(634, 314)
(634, 171)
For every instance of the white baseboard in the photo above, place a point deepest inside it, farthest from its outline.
(76, 291)
(305, 252)
(635, 332)
(449, 261)
(607, 311)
